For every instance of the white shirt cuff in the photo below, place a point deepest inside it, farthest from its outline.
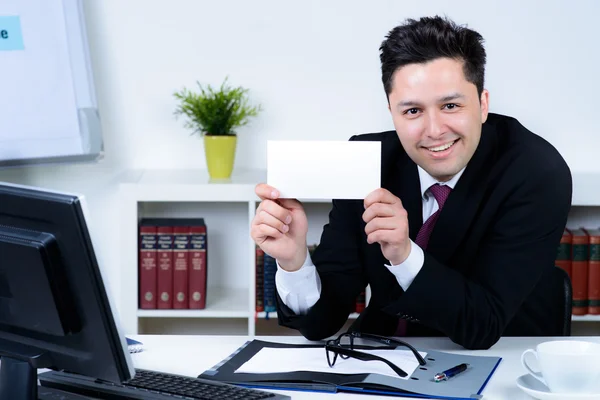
(406, 271)
(301, 289)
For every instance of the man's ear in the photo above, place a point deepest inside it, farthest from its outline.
(484, 102)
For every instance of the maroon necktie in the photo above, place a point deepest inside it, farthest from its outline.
(441, 193)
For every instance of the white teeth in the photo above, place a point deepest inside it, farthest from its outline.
(441, 148)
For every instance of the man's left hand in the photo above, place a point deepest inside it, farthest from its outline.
(387, 224)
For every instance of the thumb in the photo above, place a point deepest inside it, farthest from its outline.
(289, 203)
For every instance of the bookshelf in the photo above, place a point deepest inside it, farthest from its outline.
(587, 318)
(228, 207)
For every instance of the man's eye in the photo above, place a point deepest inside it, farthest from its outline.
(450, 106)
(411, 111)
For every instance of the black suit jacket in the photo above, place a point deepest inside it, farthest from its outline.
(487, 265)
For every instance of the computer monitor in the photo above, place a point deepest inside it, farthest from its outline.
(54, 310)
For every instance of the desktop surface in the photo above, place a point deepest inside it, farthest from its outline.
(192, 355)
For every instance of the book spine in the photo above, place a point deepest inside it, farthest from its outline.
(181, 254)
(563, 253)
(594, 274)
(260, 286)
(270, 268)
(147, 267)
(579, 267)
(360, 302)
(198, 267)
(165, 267)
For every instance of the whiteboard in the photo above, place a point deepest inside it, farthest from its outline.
(48, 109)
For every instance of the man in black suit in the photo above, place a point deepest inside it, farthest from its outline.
(459, 240)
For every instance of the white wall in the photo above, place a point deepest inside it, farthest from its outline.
(314, 67)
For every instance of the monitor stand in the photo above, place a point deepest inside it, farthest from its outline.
(18, 370)
(18, 380)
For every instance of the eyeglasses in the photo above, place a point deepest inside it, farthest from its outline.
(343, 346)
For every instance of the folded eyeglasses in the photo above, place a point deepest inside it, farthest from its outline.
(344, 346)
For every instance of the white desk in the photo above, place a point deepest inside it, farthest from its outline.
(192, 355)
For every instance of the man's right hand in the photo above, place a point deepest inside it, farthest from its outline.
(279, 228)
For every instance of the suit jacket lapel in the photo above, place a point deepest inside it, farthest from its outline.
(463, 203)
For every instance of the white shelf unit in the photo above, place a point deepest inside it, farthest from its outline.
(587, 318)
(222, 303)
(228, 207)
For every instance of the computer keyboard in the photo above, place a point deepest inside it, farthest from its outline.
(153, 385)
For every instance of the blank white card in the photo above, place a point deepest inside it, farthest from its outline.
(324, 170)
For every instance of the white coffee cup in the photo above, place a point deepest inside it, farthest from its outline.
(567, 366)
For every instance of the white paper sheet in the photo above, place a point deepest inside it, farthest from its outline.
(324, 169)
(270, 360)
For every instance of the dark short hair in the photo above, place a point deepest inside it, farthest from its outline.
(430, 38)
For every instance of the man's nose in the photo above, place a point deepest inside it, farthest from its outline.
(436, 126)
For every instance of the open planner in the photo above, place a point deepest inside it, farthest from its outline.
(269, 365)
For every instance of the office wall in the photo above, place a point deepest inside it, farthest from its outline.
(314, 67)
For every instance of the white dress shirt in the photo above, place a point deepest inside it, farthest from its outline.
(301, 289)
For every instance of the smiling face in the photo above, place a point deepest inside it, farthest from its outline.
(438, 115)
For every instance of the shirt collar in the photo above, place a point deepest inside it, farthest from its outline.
(428, 180)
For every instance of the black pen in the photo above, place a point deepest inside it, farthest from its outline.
(449, 373)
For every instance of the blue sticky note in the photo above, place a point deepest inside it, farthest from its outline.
(11, 37)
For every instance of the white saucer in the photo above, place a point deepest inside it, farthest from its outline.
(538, 390)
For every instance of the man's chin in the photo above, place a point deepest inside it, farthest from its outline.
(442, 174)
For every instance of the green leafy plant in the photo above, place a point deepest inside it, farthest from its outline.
(215, 112)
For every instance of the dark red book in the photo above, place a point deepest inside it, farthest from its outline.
(198, 263)
(360, 302)
(580, 269)
(164, 233)
(147, 266)
(594, 272)
(563, 253)
(181, 244)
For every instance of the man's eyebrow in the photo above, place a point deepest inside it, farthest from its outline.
(450, 97)
(407, 103)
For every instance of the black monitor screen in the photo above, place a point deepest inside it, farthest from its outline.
(54, 310)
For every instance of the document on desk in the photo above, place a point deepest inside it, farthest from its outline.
(270, 360)
(304, 367)
(324, 170)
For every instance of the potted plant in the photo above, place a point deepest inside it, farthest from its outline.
(215, 114)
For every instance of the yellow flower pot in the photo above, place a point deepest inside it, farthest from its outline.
(220, 155)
